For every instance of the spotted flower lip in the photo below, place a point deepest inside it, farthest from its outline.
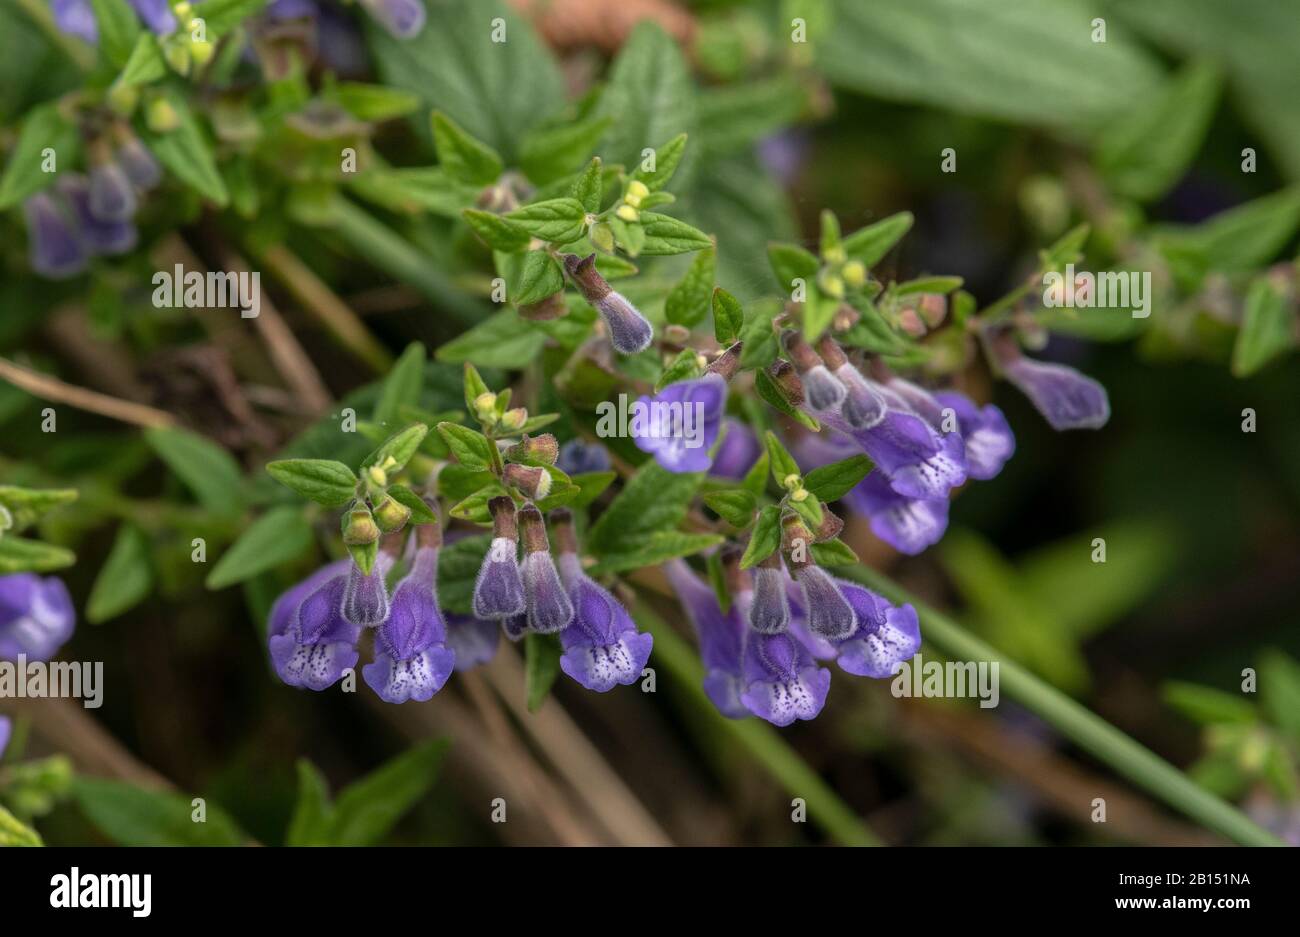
(602, 647)
(37, 616)
(782, 682)
(721, 637)
(987, 436)
(707, 396)
(918, 462)
(311, 643)
(909, 525)
(412, 661)
(886, 635)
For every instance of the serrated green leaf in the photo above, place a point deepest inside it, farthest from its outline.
(118, 29)
(279, 536)
(783, 464)
(187, 152)
(766, 537)
(503, 340)
(144, 64)
(470, 447)
(832, 553)
(394, 452)
(538, 277)
(653, 499)
(558, 220)
(497, 232)
(589, 189)
(553, 152)
(124, 579)
(728, 317)
(24, 175)
(736, 506)
(682, 368)
(462, 156)
(834, 481)
(791, 262)
(206, 469)
(324, 481)
(773, 396)
(421, 513)
(665, 234)
(649, 95)
(868, 245)
(667, 157)
(689, 301)
(591, 485)
(655, 548)
(755, 480)
(19, 555)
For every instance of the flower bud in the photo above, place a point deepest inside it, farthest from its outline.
(485, 407)
(602, 237)
(391, 515)
(636, 190)
(532, 480)
(829, 614)
(770, 611)
(123, 98)
(728, 362)
(628, 213)
(514, 418)
(111, 196)
(787, 381)
(628, 329)
(549, 608)
(161, 117)
(933, 308)
(824, 391)
(359, 527)
(499, 590)
(854, 273)
(542, 449)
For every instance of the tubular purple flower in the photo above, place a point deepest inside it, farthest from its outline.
(99, 235)
(412, 661)
(6, 728)
(984, 430)
(473, 640)
(577, 456)
(54, 250)
(829, 614)
(720, 636)
(76, 18)
(629, 331)
(403, 19)
(769, 612)
(886, 634)
(310, 642)
(782, 682)
(157, 15)
(499, 590)
(548, 608)
(909, 525)
(365, 599)
(691, 414)
(738, 451)
(140, 165)
(917, 460)
(822, 390)
(111, 197)
(515, 628)
(1065, 397)
(862, 406)
(36, 616)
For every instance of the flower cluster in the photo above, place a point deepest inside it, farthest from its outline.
(36, 616)
(762, 654)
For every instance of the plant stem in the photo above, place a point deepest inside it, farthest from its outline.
(388, 251)
(1088, 730)
(825, 808)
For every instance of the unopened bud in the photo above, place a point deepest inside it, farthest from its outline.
(178, 57)
(391, 515)
(728, 362)
(542, 449)
(677, 335)
(787, 381)
(628, 213)
(830, 526)
(532, 480)
(854, 273)
(359, 527)
(377, 475)
(514, 418)
(910, 322)
(602, 237)
(161, 117)
(485, 407)
(799, 495)
(636, 189)
(792, 482)
(933, 308)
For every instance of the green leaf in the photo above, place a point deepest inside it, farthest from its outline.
(541, 667)
(367, 810)
(1267, 329)
(279, 536)
(538, 277)
(497, 91)
(1026, 63)
(590, 187)
(818, 313)
(552, 153)
(421, 513)
(414, 189)
(559, 220)
(649, 95)
(187, 152)
(503, 340)
(13, 832)
(374, 102)
(870, 244)
(312, 812)
(791, 262)
(874, 334)
(654, 548)
(834, 552)
(321, 480)
(927, 285)
(1279, 690)
(118, 29)
(44, 127)
(497, 232)
(124, 579)
(1143, 154)
(760, 348)
(1208, 706)
(653, 499)
(145, 64)
(734, 117)
(834, 481)
(766, 538)
(18, 555)
(207, 470)
(684, 367)
(783, 464)
(470, 447)
(403, 385)
(1240, 238)
(689, 301)
(755, 480)
(590, 485)
(728, 317)
(667, 158)
(398, 449)
(132, 816)
(736, 506)
(222, 16)
(664, 234)
(462, 156)
(474, 386)
(28, 505)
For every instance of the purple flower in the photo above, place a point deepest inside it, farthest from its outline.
(6, 728)
(1065, 397)
(577, 457)
(602, 647)
(720, 635)
(629, 332)
(886, 635)
(140, 165)
(515, 628)
(111, 197)
(680, 423)
(54, 249)
(984, 430)
(737, 452)
(412, 661)
(76, 18)
(827, 613)
(548, 608)
(365, 597)
(863, 406)
(473, 640)
(36, 616)
(918, 461)
(499, 589)
(909, 525)
(402, 18)
(100, 235)
(311, 643)
(782, 682)
(157, 15)
(769, 611)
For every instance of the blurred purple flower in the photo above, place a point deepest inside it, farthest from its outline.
(577, 457)
(54, 250)
(36, 616)
(738, 451)
(668, 439)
